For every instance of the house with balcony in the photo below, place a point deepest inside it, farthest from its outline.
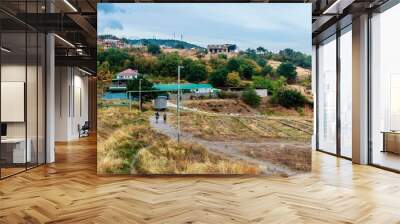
(120, 82)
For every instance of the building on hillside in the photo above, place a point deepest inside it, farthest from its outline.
(128, 74)
(189, 90)
(221, 48)
(121, 80)
(112, 43)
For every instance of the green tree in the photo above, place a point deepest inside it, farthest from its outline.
(223, 56)
(246, 71)
(296, 57)
(233, 79)
(103, 71)
(217, 63)
(145, 65)
(267, 70)
(261, 50)
(233, 64)
(153, 49)
(141, 83)
(167, 64)
(218, 78)
(194, 71)
(261, 61)
(250, 97)
(114, 57)
(251, 53)
(288, 70)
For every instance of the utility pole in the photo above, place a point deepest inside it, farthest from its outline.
(130, 101)
(178, 102)
(140, 95)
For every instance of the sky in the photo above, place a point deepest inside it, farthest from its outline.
(270, 25)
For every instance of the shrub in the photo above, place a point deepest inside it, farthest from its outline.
(250, 97)
(289, 98)
(222, 56)
(287, 70)
(228, 95)
(300, 110)
(267, 83)
(153, 49)
(267, 70)
(194, 71)
(218, 77)
(233, 64)
(261, 62)
(306, 83)
(246, 71)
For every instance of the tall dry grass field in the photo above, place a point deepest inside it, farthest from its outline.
(221, 128)
(128, 145)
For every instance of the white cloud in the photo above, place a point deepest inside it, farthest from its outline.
(273, 26)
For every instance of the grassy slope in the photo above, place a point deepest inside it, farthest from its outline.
(242, 129)
(127, 144)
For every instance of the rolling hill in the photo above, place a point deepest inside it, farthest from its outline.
(165, 42)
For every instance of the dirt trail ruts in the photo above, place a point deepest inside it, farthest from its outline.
(230, 149)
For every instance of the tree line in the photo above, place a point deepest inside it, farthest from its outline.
(220, 71)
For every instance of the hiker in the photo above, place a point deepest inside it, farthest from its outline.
(165, 117)
(157, 116)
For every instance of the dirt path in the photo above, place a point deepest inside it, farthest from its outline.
(230, 149)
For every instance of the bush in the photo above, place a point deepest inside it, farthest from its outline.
(246, 72)
(267, 83)
(194, 71)
(250, 97)
(153, 49)
(218, 77)
(267, 71)
(289, 98)
(306, 83)
(300, 110)
(287, 70)
(233, 64)
(228, 95)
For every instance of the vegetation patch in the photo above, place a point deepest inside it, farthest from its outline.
(250, 97)
(289, 98)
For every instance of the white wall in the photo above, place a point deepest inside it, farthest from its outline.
(71, 103)
(11, 73)
(33, 126)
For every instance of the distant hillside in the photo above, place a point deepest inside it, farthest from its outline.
(107, 36)
(168, 43)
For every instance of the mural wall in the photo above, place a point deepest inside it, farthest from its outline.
(204, 89)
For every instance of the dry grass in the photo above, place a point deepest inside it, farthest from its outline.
(187, 158)
(127, 144)
(225, 106)
(222, 128)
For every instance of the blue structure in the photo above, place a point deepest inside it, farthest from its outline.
(189, 87)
